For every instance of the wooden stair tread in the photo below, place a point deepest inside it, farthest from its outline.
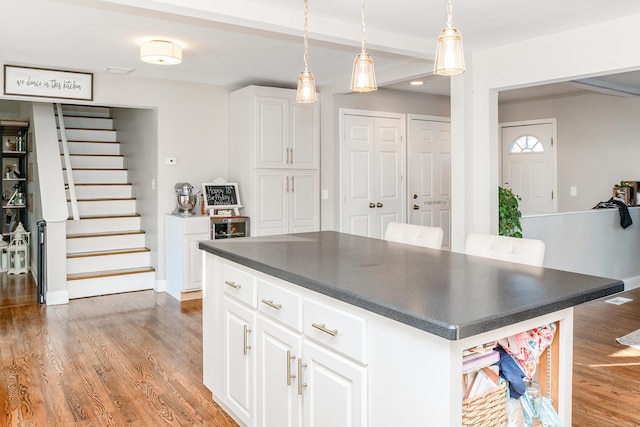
(90, 142)
(106, 199)
(104, 234)
(108, 252)
(89, 217)
(109, 273)
(94, 155)
(96, 169)
(98, 183)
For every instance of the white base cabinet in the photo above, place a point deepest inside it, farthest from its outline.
(183, 258)
(315, 361)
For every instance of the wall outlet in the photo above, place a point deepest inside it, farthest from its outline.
(324, 194)
(171, 161)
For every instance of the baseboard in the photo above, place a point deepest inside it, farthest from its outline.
(631, 283)
(57, 298)
(160, 285)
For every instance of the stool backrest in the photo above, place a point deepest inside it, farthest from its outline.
(523, 251)
(418, 235)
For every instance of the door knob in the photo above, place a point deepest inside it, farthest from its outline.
(379, 204)
(416, 207)
(372, 205)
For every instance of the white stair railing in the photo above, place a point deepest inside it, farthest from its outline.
(67, 163)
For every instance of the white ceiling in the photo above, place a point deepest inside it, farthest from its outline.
(239, 42)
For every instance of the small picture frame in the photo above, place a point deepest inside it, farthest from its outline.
(221, 196)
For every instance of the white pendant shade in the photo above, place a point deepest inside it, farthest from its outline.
(161, 52)
(449, 53)
(306, 93)
(363, 78)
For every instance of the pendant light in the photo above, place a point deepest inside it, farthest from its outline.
(449, 55)
(363, 78)
(306, 93)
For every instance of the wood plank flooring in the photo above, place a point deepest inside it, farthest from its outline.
(135, 359)
(606, 374)
(131, 359)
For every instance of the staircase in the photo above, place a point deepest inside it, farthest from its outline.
(106, 250)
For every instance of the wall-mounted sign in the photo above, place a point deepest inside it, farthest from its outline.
(47, 83)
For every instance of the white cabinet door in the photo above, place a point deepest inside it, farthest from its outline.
(193, 275)
(272, 132)
(336, 389)
(287, 202)
(238, 333)
(304, 136)
(272, 203)
(279, 404)
(304, 199)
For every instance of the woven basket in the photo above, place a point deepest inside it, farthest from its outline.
(486, 410)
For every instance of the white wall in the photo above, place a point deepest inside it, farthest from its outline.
(388, 101)
(590, 242)
(598, 142)
(547, 59)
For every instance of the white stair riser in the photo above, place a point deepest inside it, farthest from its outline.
(88, 123)
(82, 110)
(92, 148)
(98, 176)
(89, 135)
(91, 264)
(102, 225)
(105, 243)
(120, 191)
(110, 285)
(105, 207)
(98, 162)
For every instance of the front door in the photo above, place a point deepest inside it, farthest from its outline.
(528, 164)
(429, 168)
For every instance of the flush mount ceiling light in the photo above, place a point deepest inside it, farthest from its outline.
(449, 55)
(306, 93)
(363, 78)
(416, 83)
(161, 52)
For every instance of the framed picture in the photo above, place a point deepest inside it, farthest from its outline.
(221, 196)
(47, 83)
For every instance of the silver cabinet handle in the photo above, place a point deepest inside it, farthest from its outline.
(301, 385)
(291, 153)
(233, 284)
(271, 304)
(372, 205)
(290, 376)
(379, 205)
(292, 182)
(323, 328)
(286, 180)
(247, 347)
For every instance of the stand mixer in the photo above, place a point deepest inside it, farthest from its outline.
(186, 201)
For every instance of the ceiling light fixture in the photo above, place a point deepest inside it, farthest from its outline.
(306, 93)
(416, 83)
(363, 78)
(449, 54)
(161, 52)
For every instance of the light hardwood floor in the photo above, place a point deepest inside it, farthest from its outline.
(136, 359)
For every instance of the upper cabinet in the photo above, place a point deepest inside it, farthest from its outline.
(274, 157)
(281, 133)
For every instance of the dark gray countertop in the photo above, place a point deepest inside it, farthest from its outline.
(448, 294)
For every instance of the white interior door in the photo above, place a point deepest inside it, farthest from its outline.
(528, 164)
(372, 173)
(429, 169)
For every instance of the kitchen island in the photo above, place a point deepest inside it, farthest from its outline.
(334, 329)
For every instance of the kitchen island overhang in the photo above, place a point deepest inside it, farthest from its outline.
(449, 294)
(420, 308)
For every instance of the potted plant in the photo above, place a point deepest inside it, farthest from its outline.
(508, 213)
